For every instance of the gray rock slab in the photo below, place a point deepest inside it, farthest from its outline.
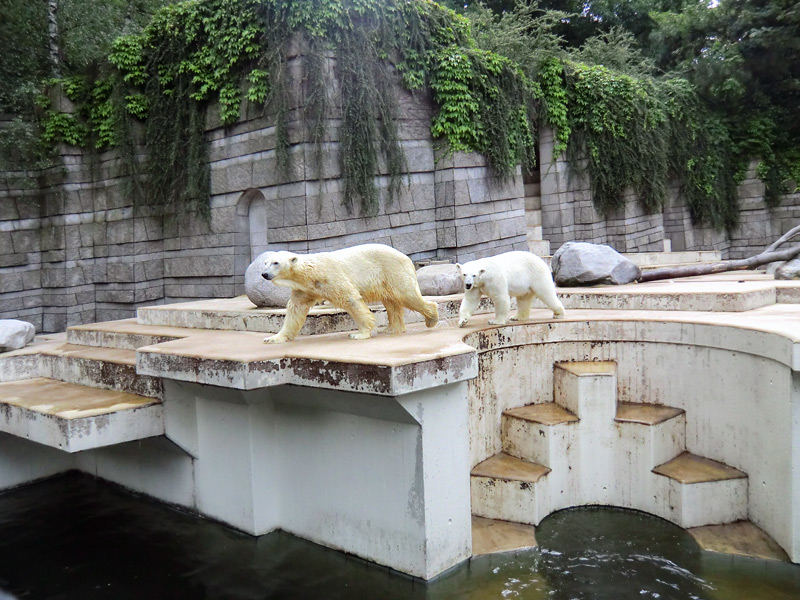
(15, 334)
(789, 270)
(261, 292)
(581, 263)
(440, 280)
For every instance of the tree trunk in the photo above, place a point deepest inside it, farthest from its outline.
(721, 267)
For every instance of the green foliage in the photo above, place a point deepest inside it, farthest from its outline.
(492, 77)
(618, 120)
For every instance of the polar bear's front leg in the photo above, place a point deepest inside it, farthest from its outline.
(296, 311)
(468, 305)
(362, 315)
(502, 306)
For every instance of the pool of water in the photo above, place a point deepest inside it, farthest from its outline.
(73, 537)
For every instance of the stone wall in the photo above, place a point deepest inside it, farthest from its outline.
(74, 249)
(568, 214)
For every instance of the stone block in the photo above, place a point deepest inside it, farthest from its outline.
(239, 176)
(119, 232)
(119, 272)
(115, 295)
(29, 207)
(25, 240)
(412, 242)
(195, 266)
(8, 209)
(53, 277)
(13, 260)
(148, 294)
(75, 276)
(446, 237)
(444, 193)
(11, 282)
(327, 230)
(51, 238)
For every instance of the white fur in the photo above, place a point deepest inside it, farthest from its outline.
(348, 278)
(522, 275)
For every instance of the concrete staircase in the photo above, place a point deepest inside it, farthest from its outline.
(585, 448)
(81, 392)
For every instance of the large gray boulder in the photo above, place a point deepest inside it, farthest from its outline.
(581, 263)
(261, 292)
(15, 334)
(788, 270)
(440, 280)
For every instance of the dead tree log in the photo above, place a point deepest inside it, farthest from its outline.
(721, 267)
(792, 233)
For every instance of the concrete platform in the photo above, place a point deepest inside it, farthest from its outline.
(742, 538)
(323, 434)
(73, 417)
(490, 536)
(726, 292)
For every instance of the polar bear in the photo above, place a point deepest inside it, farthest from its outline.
(520, 274)
(348, 278)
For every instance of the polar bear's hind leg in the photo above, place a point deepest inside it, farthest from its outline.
(549, 297)
(394, 312)
(524, 307)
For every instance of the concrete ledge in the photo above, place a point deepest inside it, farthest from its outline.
(243, 361)
(73, 417)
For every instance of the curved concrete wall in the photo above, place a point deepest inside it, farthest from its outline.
(739, 388)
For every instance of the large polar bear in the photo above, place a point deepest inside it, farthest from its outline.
(348, 278)
(520, 274)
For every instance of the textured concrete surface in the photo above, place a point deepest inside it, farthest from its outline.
(490, 536)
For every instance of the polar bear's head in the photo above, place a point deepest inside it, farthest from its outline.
(471, 272)
(279, 265)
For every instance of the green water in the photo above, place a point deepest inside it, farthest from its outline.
(73, 537)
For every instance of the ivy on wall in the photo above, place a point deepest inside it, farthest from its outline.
(632, 132)
(221, 53)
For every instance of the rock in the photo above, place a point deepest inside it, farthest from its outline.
(581, 263)
(261, 292)
(789, 270)
(15, 334)
(440, 280)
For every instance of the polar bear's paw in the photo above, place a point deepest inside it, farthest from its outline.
(276, 339)
(360, 335)
(462, 322)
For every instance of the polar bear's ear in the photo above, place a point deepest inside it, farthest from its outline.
(482, 271)
(294, 260)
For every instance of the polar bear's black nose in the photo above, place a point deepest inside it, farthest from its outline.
(468, 285)
(266, 276)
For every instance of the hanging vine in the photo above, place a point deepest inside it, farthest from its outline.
(205, 57)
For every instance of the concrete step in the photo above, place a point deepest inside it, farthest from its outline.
(587, 389)
(490, 536)
(662, 259)
(650, 434)
(74, 417)
(702, 491)
(24, 363)
(507, 488)
(126, 334)
(538, 433)
(105, 368)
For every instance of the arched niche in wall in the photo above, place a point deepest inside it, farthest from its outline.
(251, 231)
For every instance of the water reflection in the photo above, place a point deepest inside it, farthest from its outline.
(76, 538)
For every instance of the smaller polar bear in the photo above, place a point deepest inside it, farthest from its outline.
(348, 278)
(520, 274)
